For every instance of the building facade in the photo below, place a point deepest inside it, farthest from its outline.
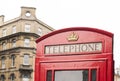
(117, 74)
(116, 77)
(17, 45)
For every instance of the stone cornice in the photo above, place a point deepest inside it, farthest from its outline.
(19, 34)
(15, 50)
(20, 18)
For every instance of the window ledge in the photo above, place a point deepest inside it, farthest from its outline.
(2, 68)
(12, 67)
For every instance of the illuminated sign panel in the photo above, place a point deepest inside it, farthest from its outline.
(74, 48)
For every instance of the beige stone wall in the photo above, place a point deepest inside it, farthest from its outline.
(9, 27)
(44, 29)
(20, 27)
(18, 61)
(19, 42)
(19, 23)
(117, 77)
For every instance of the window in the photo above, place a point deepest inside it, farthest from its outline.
(72, 75)
(28, 13)
(3, 45)
(25, 77)
(3, 62)
(12, 60)
(49, 75)
(4, 32)
(27, 42)
(93, 76)
(12, 77)
(14, 29)
(26, 59)
(2, 78)
(27, 28)
(39, 31)
(13, 43)
(118, 72)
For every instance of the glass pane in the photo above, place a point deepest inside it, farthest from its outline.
(93, 75)
(49, 75)
(3, 62)
(2, 78)
(26, 60)
(13, 60)
(14, 43)
(25, 77)
(14, 29)
(4, 32)
(74, 75)
(27, 42)
(4, 46)
(12, 77)
(39, 31)
(27, 28)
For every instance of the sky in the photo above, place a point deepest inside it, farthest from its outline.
(59, 14)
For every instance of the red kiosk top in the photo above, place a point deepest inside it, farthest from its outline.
(76, 29)
(82, 40)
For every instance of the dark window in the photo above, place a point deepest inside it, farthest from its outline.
(49, 75)
(12, 77)
(13, 43)
(13, 60)
(93, 76)
(2, 78)
(85, 75)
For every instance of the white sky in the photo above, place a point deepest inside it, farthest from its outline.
(102, 14)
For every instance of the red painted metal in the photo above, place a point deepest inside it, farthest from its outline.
(101, 61)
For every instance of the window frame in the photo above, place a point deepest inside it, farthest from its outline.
(88, 72)
(12, 60)
(13, 43)
(26, 59)
(27, 42)
(26, 76)
(2, 77)
(3, 62)
(4, 32)
(3, 46)
(27, 27)
(39, 31)
(12, 77)
(14, 29)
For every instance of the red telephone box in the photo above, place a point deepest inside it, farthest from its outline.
(75, 54)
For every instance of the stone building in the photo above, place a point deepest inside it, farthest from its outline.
(17, 45)
(116, 77)
(117, 74)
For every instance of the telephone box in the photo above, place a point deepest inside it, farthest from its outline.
(75, 54)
